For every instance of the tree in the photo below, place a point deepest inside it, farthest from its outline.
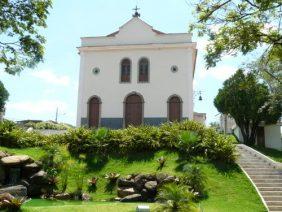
(215, 125)
(239, 26)
(248, 102)
(20, 43)
(3, 97)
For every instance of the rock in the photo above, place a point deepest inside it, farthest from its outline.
(63, 196)
(117, 199)
(161, 177)
(151, 185)
(39, 184)
(3, 154)
(16, 191)
(24, 183)
(125, 183)
(30, 169)
(85, 197)
(15, 160)
(123, 192)
(150, 177)
(169, 179)
(145, 194)
(140, 181)
(132, 198)
(2, 175)
(39, 178)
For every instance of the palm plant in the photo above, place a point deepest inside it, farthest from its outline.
(176, 198)
(161, 161)
(188, 141)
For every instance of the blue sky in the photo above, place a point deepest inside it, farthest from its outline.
(35, 94)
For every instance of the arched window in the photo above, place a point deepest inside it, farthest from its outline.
(125, 70)
(143, 70)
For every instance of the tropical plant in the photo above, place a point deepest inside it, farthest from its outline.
(188, 141)
(112, 177)
(93, 181)
(176, 198)
(13, 204)
(195, 178)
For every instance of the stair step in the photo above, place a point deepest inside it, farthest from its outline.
(270, 188)
(271, 193)
(277, 176)
(273, 198)
(267, 180)
(274, 203)
(263, 172)
(269, 185)
(275, 208)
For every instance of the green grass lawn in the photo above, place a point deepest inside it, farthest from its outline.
(272, 153)
(228, 189)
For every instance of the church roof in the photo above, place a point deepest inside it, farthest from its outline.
(136, 18)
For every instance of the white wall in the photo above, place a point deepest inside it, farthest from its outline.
(162, 82)
(273, 137)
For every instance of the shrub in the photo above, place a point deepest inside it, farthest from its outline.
(176, 198)
(188, 142)
(194, 178)
(188, 137)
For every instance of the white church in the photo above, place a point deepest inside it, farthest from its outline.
(136, 75)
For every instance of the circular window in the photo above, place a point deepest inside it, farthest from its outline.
(174, 69)
(95, 71)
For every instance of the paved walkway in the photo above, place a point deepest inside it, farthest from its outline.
(264, 174)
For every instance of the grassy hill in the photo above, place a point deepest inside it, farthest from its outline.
(228, 189)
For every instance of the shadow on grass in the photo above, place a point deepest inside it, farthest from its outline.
(225, 168)
(95, 162)
(110, 186)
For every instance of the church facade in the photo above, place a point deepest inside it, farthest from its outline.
(136, 75)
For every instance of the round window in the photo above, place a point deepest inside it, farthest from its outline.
(174, 69)
(96, 71)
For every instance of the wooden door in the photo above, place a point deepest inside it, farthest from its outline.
(133, 110)
(94, 112)
(174, 109)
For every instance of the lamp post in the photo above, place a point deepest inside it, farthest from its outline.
(57, 115)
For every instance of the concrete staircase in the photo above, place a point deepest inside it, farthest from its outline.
(265, 174)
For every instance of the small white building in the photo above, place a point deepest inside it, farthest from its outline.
(136, 75)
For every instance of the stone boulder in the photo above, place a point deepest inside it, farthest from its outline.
(123, 192)
(16, 191)
(38, 184)
(4, 154)
(132, 198)
(125, 183)
(30, 169)
(16, 160)
(151, 185)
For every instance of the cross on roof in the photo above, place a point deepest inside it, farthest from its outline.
(136, 14)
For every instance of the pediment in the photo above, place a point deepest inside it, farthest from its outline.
(135, 30)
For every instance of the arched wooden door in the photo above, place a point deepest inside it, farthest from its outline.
(174, 108)
(133, 114)
(94, 112)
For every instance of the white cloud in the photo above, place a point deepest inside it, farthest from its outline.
(219, 72)
(50, 77)
(37, 107)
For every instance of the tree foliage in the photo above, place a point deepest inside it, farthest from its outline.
(248, 102)
(3, 96)
(239, 26)
(20, 43)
